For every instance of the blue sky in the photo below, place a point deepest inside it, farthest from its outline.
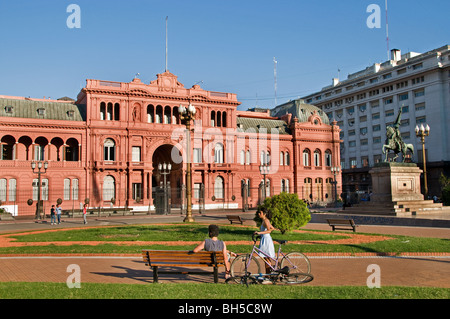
(229, 45)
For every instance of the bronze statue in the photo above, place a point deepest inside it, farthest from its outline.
(394, 141)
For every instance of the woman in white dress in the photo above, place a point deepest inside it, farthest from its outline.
(266, 242)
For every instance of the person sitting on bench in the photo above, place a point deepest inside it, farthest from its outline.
(214, 244)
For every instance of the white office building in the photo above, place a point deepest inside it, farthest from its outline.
(369, 100)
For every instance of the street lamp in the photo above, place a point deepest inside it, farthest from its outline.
(335, 170)
(164, 169)
(39, 172)
(264, 170)
(422, 132)
(186, 116)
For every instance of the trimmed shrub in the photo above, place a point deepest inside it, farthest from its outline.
(288, 212)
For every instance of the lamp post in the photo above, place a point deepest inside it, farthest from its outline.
(335, 170)
(164, 169)
(264, 170)
(39, 165)
(186, 116)
(423, 132)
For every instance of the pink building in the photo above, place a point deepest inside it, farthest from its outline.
(107, 145)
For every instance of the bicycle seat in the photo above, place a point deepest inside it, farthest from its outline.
(281, 242)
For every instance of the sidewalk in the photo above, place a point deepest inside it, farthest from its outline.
(328, 270)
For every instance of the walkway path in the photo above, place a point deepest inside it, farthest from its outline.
(424, 270)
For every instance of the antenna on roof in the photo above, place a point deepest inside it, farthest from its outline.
(275, 78)
(387, 30)
(166, 42)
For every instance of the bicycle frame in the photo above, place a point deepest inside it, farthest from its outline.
(259, 252)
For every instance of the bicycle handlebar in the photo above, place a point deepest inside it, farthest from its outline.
(255, 237)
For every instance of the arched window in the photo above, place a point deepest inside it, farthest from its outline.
(116, 112)
(328, 158)
(150, 113)
(281, 158)
(242, 157)
(109, 188)
(218, 153)
(219, 187)
(167, 114)
(248, 157)
(287, 159)
(213, 118)
(306, 155)
(219, 119)
(159, 114)
(224, 119)
(109, 148)
(317, 161)
(102, 111)
(3, 189)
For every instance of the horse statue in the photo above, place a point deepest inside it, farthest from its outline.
(394, 141)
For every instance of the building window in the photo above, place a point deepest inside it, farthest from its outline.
(7, 152)
(328, 158)
(317, 161)
(109, 188)
(3, 190)
(306, 154)
(39, 152)
(218, 187)
(66, 189)
(287, 159)
(248, 157)
(353, 163)
(420, 106)
(218, 153)
(137, 192)
(403, 97)
(197, 155)
(44, 189)
(109, 148)
(136, 154)
(281, 158)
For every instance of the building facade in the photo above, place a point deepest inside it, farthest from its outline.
(369, 100)
(106, 148)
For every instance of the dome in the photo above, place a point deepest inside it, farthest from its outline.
(300, 110)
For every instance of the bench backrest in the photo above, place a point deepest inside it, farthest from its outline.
(182, 258)
(341, 222)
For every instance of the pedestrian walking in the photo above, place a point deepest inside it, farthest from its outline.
(85, 213)
(58, 213)
(53, 215)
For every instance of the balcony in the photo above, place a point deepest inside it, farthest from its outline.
(51, 164)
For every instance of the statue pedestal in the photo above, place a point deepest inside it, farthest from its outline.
(396, 192)
(393, 182)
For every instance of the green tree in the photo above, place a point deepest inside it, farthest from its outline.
(288, 212)
(445, 186)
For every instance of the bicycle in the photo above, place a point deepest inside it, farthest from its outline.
(293, 268)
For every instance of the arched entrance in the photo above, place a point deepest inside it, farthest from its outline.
(166, 183)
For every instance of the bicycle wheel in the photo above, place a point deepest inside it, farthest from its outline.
(299, 267)
(298, 278)
(239, 264)
(245, 280)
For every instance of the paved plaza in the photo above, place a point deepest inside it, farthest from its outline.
(418, 269)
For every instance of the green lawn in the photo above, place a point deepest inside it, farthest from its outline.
(197, 233)
(13, 290)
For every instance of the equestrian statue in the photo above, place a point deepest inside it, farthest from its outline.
(394, 141)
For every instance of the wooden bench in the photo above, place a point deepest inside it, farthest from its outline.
(342, 224)
(235, 218)
(175, 258)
